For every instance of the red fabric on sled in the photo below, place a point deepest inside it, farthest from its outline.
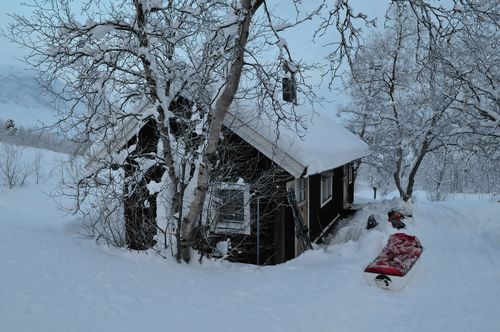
(398, 256)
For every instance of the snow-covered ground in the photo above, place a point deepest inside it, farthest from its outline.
(52, 279)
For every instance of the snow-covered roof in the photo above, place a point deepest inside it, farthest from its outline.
(321, 145)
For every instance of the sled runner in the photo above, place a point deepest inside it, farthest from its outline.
(393, 266)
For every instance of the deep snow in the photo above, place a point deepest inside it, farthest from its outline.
(52, 279)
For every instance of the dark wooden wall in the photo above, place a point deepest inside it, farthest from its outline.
(238, 159)
(321, 216)
(139, 205)
(351, 187)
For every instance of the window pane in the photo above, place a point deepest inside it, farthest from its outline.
(301, 190)
(232, 206)
(326, 187)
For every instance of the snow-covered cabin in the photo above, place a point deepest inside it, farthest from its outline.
(260, 160)
(314, 160)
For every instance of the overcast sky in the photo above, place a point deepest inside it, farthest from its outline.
(9, 51)
(299, 40)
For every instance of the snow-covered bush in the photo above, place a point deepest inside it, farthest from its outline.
(104, 221)
(98, 201)
(14, 170)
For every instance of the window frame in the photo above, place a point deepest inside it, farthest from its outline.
(350, 173)
(326, 179)
(245, 224)
(300, 191)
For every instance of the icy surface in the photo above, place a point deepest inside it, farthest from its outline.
(52, 279)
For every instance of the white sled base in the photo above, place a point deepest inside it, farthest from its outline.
(393, 283)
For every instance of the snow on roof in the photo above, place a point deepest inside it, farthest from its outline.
(321, 145)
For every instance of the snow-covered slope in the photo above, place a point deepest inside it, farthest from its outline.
(21, 99)
(52, 279)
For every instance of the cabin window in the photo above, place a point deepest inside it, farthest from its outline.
(232, 208)
(350, 176)
(326, 187)
(300, 189)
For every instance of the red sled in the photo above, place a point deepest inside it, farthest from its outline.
(393, 266)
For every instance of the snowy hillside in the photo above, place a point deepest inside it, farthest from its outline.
(55, 280)
(21, 99)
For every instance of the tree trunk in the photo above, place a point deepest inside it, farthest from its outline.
(397, 173)
(411, 178)
(215, 127)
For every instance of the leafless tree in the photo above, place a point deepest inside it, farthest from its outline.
(168, 69)
(466, 27)
(407, 108)
(14, 170)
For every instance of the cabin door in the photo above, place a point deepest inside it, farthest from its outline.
(301, 188)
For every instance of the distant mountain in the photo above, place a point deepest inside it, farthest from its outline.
(21, 98)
